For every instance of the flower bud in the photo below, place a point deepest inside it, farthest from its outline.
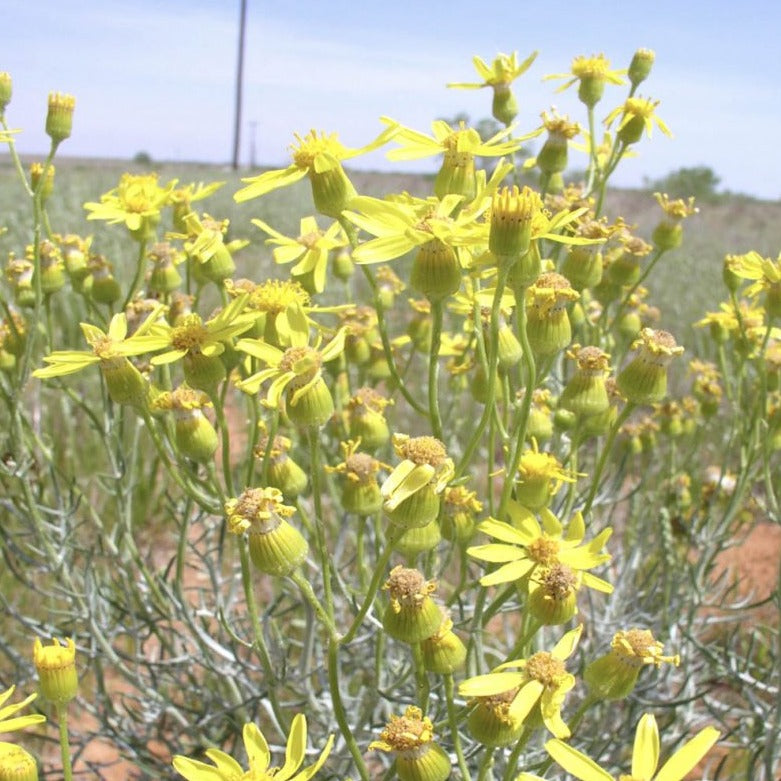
(552, 595)
(512, 216)
(275, 547)
(504, 106)
(412, 615)
(444, 653)
(548, 327)
(640, 66)
(343, 266)
(586, 394)
(47, 185)
(59, 117)
(6, 90)
(436, 272)
(644, 379)
(491, 722)
(56, 667)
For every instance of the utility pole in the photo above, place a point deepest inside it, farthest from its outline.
(252, 129)
(239, 85)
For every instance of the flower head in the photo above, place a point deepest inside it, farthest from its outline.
(225, 768)
(310, 248)
(542, 681)
(318, 156)
(591, 73)
(645, 756)
(526, 546)
(137, 199)
(501, 73)
(637, 114)
(56, 667)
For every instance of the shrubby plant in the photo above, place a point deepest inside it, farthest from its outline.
(475, 537)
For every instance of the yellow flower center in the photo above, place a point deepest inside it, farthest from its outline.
(408, 732)
(312, 145)
(590, 67)
(499, 704)
(276, 296)
(545, 668)
(189, 333)
(640, 107)
(294, 356)
(559, 581)
(366, 399)
(544, 550)
(260, 509)
(536, 466)
(362, 466)
(408, 587)
(423, 450)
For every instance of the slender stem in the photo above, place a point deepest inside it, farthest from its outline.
(222, 422)
(308, 593)
(486, 765)
(515, 755)
(379, 572)
(139, 274)
(433, 369)
(339, 711)
(65, 752)
(519, 433)
(320, 535)
(422, 688)
(608, 446)
(493, 349)
(257, 630)
(452, 718)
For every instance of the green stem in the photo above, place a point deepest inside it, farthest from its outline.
(65, 752)
(227, 473)
(519, 434)
(512, 760)
(608, 446)
(259, 641)
(452, 718)
(379, 572)
(486, 765)
(320, 535)
(338, 708)
(493, 349)
(138, 276)
(309, 595)
(433, 369)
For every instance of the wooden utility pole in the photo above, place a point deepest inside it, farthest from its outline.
(239, 85)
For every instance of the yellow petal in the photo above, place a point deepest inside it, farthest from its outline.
(526, 699)
(508, 572)
(296, 747)
(566, 646)
(490, 684)
(645, 754)
(271, 180)
(575, 763)
(688, 755)
(256, 747)
(496, 553)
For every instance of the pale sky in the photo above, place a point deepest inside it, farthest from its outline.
(158, 75)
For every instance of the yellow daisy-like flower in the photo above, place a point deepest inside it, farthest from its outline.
(645, 756)
(502, 72)
(592, 73)
(499, 75)
(401, 227)
(451, 142)
(192, 336)
(8, 724)
(310, 248)
(764, 272)
(424, 462)
(136, 201)
(109, 349)
(318, 156)
(637, 114)
(225, 768)
(296, 372)
(542, 681)
(526, 545)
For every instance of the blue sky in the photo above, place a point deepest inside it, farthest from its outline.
(158, 75)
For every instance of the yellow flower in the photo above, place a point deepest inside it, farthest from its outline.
(310, 248)
(645, 756)
(542, 680)
(296, 372)
(451, 142)
(764, 272)
(503, 71)
(225, 768)
(592, 73)
(8, 724)
(192, 336)
(401, 227)
(109, 349)
(56, 667)
(137, 200)
(526, 546)
(411, 738)
(636, 114)
(319, 157)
